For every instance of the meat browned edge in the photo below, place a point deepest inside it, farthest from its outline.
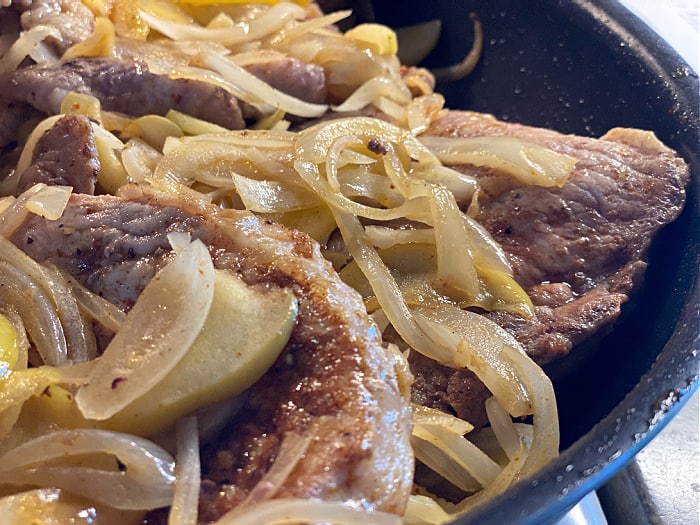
(333, 380)
(577, 250)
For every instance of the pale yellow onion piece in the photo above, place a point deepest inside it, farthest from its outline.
(287, 511)
(371, 91)
(487, 253)
(257, 90)
(99, 44)
(461, 185)
(387, 290)
(529, 163)
(16, 212)
(358, 181)
(75, 103)
(183, 510)
(184, 162)
(146, 481)
(191, 125)
(422, 111)
(24, 45)
(422, 510)
(94, 305)
(140, 160)
(271, 196)
(545, 418)
(80, 336)
(52, 506)
(268, 140)
(503, 427)
(453, 327)
(314, 143)
(432, 416)
(35, 306)
(312, 25)
(509, 475)
(378, 37)
(50, 290)
(416, 209)
(382, 237)
(334, 156)
(452, 456)
(158, 331)
(113, 174)
(455, 263)
(269, 22)
(49, 202)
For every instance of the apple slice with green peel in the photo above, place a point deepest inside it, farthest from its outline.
(244, 333)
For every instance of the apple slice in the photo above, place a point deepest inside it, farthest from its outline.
(244, 333)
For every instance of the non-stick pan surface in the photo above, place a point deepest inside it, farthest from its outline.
(584, 67)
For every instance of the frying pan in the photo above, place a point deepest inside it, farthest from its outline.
(582, 67)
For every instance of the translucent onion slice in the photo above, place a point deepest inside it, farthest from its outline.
(455, 263)
(387, 290)
(95, 306)
(422, 510)
(16, 212)
(453, 457)
(24, 45)
(269, 22)
(314, 143)
(52, 506)
(257, 90)
(144, 479)
(49, 202)
(292, 511)
(157, 332)
(271, 196)
(183, 510)
(383, 238)
(371, 91)
(503, 427)
(529, 163)
(481, 346)
(430, 416)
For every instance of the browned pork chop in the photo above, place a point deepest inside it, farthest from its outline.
(577, 250)
(120, 85)
(65, 155)
(333, 380)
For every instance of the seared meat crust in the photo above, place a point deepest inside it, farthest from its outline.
(333, 380)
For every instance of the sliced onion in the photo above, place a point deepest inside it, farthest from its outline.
(183, 510)
(503, 427)
(271, 196)
(24, 45)
(455, 263)
(49, 202)
(13, 215)
(371, 91)
(382, 237)
(257, 90)
(485, 355)
(529, 163)
(292, 511)
(431, 416)
(145, 481)
(267, 23)
(95, 306)
(52, 506)
(422, 510)
(157, 332)
(453, 457)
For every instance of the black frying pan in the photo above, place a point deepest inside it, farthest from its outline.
(583, 68)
